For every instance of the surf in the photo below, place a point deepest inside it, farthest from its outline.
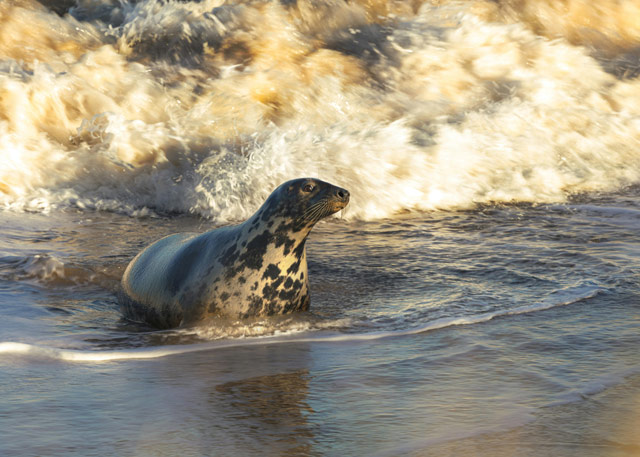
(283, 335)
(433, 108)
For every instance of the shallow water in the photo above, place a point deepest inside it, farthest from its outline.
(426, 331)
(479, 296)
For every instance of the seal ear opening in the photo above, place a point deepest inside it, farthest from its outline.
(290, 189)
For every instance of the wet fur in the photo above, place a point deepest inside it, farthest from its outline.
(255, 268)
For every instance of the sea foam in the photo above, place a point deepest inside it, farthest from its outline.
(205, 108)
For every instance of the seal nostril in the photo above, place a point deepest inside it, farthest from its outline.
(343, 195)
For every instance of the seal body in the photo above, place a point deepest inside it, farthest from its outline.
(255, 268)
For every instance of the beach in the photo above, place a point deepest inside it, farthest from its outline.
(479, 295)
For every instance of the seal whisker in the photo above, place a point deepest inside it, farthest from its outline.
(314, 210)
(321, 210)
(314, 206)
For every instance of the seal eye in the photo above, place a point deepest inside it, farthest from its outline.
(308, 188)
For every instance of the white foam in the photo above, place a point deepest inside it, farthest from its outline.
(472, 111)
(44, 267)
(40, 352)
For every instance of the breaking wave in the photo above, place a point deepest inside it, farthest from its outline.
(205, 107)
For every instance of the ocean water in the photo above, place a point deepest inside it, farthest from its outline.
(480, 295)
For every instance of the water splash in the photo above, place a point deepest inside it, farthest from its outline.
(206, 107)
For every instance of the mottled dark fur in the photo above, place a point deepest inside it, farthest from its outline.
(254, 268)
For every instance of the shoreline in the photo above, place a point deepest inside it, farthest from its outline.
(601, 425)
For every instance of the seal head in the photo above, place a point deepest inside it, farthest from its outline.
(255, 268)
(300, 203)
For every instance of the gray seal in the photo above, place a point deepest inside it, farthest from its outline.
(255, 268)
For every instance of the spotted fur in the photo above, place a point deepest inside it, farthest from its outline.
(255, 268)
